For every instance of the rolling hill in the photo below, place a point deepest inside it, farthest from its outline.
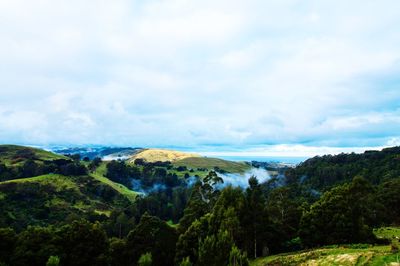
(190, 160)
(159, 155)
(53, 197)
(14, 155)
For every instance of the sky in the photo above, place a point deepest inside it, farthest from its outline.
(254, 76)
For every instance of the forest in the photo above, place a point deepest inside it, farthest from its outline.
(56, 211)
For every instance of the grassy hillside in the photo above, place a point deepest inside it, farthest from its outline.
(190, 160)
(99, 174)
(13, 155)
(211, 163)
(355, 254)
(343, 255)
(155, 155)
(52, 199)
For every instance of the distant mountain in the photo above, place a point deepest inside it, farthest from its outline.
(108, 153)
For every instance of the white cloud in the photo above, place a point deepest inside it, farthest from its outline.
(187, 73)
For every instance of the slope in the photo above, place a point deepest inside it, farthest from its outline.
(56, 199)
(14, 155)
(159, 155)
(190, 160)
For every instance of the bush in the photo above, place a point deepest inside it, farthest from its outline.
(53, 261)
(145, 260)
(185, 262)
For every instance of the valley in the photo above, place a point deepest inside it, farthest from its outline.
(329, 210)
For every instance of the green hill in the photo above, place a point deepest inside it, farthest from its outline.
(212, 163)
(189, 160)
(351, 255)
(54, 199)
(324, 172)
(66, 191)
(14, 155)
(99, 174)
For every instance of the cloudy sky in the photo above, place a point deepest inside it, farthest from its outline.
(230, 75)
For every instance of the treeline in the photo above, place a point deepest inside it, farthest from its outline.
(324, 172)
(164, 194)
(209, 224)
(31, 168)
(218, 227)
(84, 243)
(144, 177)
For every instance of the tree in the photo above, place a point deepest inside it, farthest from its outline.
(29, 168)
(388, 195)
(145, 260)
(237, 258)
(53, 261)
(94, 163)
(118, 252)
(342, 215)
(35, 245)
(195, 208)
(188, 243)
(7, 244)
(284, 212)
(255, 220)
(155, 236)
(84, 243)
(214, 250)
(185, 262)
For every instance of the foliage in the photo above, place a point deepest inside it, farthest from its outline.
(185, 262)
(53, 261)
(324, 224)
(95, 219)
(155, 236)
(7, 244)
(214, 250)
(211, 163)
(324, 172)
(55, 199)
(237, 258)
(337, 255)
(145, 260)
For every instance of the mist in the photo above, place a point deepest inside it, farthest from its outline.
(242, 180)
(138, 187)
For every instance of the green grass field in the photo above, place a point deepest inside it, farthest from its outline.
(59, 181)
(346, 255)
(99, 174)
(62, 185)
(340, 255)
(11, 154)
(210, 163)
(392, 233)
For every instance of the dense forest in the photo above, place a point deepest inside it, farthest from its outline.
(57, 211)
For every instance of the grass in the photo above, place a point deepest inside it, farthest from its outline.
(353, 254)
(154, 155)
(387, 233)
(210, 163)
(99, 174)
(181, 174)
(59, 181)
(10, 155)
(340, 255)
